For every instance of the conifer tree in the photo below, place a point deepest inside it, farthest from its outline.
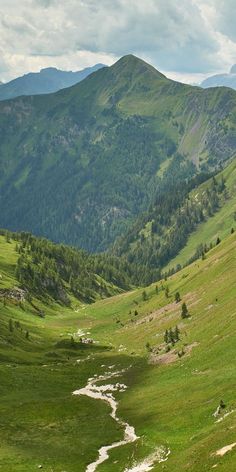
(177, 297)
(166, 336)
(171, 336)
(184, 313)
(176, 333)
(144, 295)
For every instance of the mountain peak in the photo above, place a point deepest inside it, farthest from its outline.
(134, 65)
(233, 69)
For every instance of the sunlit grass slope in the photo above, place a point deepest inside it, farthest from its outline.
(218, 225)
(169, 404)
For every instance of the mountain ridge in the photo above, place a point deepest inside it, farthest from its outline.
(47, 80)
(95, 150)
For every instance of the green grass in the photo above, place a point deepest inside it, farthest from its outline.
(218, 225)
(170, 405)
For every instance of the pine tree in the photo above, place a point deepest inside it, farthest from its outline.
(184, 313)
(167, 291)
(177, 297)
(144, 295)
(171, 337)
(166, 336)
(176, 333)
(7, 237)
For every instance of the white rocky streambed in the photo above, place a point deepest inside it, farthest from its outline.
(105, 393)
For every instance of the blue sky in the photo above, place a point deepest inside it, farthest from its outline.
(185, 39)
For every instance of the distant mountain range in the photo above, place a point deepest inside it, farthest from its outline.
(221, 80)
(82, 164)
(48, 80)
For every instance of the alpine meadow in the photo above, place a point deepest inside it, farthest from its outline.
(117, 236)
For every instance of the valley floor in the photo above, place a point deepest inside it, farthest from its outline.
(169, 398)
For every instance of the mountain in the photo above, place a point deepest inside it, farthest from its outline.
(181, 225)
(221, 80)
(175, 387)
(218, 223)
(48, 80)
(61, 273)
(79, 166)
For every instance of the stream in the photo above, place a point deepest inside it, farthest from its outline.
(105, 393)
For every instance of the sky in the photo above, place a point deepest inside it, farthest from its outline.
(185, 39)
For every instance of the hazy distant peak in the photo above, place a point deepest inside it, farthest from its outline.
(221, 80)
(48, 80)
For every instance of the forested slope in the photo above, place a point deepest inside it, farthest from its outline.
(182, 224)
(80, 165)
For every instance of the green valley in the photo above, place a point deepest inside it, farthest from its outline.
(118, 356)
(117, 236)
(173, 387)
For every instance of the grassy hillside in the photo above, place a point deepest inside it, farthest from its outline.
(219, 225)
(60, 273)
(181, 224)
(170, 398)
(80, 165)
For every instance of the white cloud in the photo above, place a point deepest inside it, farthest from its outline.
(184, 38)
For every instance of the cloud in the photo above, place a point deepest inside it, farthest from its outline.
(225, 15)
(187, 37)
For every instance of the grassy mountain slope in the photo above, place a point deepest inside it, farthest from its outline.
(170, 400)
(84, 162)
(219, 225)
(181, 223)
(61, 273)
(48, 80)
